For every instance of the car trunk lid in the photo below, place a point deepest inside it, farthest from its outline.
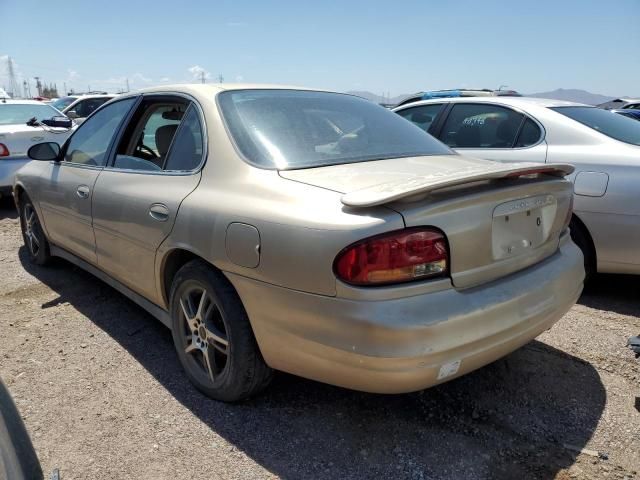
(498, 217)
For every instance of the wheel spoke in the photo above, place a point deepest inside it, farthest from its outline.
(204, 307)
(187, 309)
(34, 239)
(30, 219)
(191, 347)
(207, 363)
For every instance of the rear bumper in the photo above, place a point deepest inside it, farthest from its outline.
(406, 344)
(8, 169)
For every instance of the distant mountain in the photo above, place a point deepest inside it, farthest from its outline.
(573, 95)
(377, 98)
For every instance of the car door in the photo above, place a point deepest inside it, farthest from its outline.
(67, 186)
(155, 166)
(493, 132)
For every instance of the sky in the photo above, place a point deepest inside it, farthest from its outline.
(384, 47)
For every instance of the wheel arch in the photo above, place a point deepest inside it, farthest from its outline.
(576, 222)
(173, 261)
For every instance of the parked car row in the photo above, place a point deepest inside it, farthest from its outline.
(310, 232)
(603, 146)
(21, 127)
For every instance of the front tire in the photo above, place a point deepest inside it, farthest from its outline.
(213, 336)
(32, 233)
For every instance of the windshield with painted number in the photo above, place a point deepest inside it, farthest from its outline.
(289, 129)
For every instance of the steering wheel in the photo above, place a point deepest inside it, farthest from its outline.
(147, 150)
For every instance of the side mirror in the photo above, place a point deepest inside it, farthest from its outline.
(62, 122)
(44, 151)
(72, 114)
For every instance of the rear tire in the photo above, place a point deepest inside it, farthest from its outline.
(32, 233)
(213, 336)
(582, 239)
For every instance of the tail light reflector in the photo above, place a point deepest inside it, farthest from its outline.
(4, 151)
(395, 257)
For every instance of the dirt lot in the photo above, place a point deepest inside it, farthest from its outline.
(102, 394)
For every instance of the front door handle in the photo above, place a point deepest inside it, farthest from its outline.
(159, 211)
(83, 191)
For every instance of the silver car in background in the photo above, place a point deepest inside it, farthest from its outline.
(603, 146)
(306, 231)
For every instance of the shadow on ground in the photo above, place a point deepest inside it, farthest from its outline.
(617, 293)
(508, 420)
(7, 208)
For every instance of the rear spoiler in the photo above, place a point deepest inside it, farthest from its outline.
(422, 184)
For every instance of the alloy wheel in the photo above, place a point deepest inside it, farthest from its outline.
(205, 339)
(30, 229)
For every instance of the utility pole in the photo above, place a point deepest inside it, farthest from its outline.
(220, 78)
(202, 77)
(127, 85)
(65, 87)
(13, 84)
(38, 85)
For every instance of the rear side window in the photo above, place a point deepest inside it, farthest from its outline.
(608, 123)
(186, 151)
(529, 135)
(422, 116)
(87, 107)
(481, 126)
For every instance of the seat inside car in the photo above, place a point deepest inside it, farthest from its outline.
(164, 135)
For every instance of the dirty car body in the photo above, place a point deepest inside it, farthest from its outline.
(364, 252)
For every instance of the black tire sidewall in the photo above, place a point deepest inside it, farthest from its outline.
(43, 252)
(231, 384)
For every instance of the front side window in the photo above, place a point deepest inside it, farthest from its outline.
(289, 129)
(422, 116)
(608, 123)
(481, 126)
(17, 113)
(89, 144)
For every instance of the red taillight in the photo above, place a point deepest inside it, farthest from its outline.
(4, 151)
(395, 257)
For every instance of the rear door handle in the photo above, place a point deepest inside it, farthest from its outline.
(159, 211)
(83, 191)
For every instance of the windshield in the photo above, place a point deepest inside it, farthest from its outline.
(63, 102)
(611, 124)
(16, 113)
(288, 129)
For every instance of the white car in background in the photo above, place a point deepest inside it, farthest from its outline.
(79, 107)
(602, 145)
(18, 133)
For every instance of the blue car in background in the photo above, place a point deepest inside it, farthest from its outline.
(629, 112)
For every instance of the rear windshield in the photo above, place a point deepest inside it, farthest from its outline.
(611, 124)
(289, 129)
(15, 113)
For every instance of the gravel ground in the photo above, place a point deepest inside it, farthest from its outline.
(103, 397)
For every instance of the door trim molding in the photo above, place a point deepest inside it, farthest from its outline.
(150, 307)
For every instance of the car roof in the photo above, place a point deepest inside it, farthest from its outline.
(213, 88)
(513, 101)
(22, 102)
